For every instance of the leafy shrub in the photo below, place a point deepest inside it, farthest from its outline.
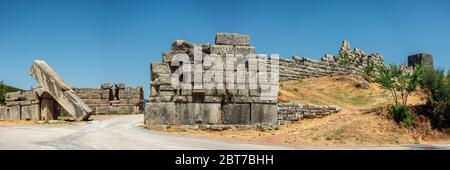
(399, 82)
(437, 85)
(370, 72)
(402, 115)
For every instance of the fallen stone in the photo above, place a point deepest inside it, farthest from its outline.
(59, 90)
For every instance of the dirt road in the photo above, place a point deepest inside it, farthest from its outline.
(122, 132)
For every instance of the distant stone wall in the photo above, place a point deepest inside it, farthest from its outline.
(347, 62)
(113, 98)
(21, 106)
(291, 112)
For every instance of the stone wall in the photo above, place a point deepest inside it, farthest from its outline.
(217, 106)
(113, 98)
(291, 112)
(421, 58)
(21, 106)
(302, 67)
(347, 62)
(37, 104)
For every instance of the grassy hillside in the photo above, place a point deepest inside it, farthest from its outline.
(6, 89)
(363, 120)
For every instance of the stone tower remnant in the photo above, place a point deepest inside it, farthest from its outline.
(421, 58)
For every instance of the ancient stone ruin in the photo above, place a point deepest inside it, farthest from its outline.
(111, 98)
(42, 103)
(59, 90)
(170, 106)
(206, 107)
(421, 58)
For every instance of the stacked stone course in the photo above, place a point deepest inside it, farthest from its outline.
(291, 112)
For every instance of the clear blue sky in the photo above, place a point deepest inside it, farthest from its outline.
(91, 42)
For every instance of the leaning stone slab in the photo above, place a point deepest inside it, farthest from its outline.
(232, 39)
(59, 90)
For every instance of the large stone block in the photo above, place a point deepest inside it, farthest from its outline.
(228, 49)
(187, 113)
(30, 112)
(236, 114)
(13, 96)
(59, 90)
(198, 113)
(14, 112)
(211, 113)
(161, 79)
(232, 39)
(2, 112)
(160, 113)
(264, 114)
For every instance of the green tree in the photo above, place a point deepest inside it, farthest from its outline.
(437, 85)
(2, 92)
(400, 83)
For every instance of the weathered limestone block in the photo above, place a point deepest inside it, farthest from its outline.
(211, 113)
(232, 39)
(237, 114)
(162, 79)
(187, 113)
(182, 45)
(30, 112)
(160, 113)
(14, 112)
(13, 96)
(59, 90)
(228, 49)
(264, 114)
(120, 86)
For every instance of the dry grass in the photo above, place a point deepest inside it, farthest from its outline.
(355, 125)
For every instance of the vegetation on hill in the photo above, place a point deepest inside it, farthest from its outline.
(436, 84)
(6, 89)
(363, 121)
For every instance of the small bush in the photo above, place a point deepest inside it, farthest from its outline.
(402, 115)
(437, 85)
